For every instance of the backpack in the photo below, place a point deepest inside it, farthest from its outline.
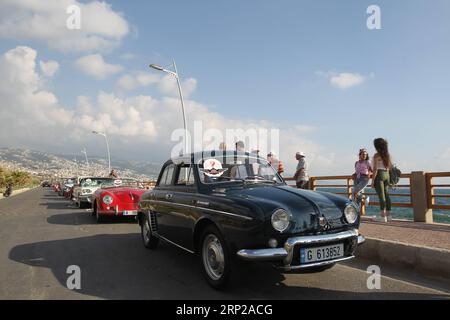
(394, 175)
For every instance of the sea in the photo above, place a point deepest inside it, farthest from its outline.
(439, 216)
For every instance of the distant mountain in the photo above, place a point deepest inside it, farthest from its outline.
(49, 164)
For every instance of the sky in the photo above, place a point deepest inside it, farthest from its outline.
(312, 69)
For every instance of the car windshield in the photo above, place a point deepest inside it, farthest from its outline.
(232, 169)
(95, 182)
(121, 183)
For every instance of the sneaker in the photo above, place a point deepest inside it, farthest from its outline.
(379, 219)
(389, 218)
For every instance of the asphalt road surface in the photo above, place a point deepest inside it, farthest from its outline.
(42, 234)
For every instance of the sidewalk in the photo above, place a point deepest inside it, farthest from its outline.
(421, 247)
(412, 233)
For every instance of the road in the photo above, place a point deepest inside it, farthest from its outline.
(42, 234)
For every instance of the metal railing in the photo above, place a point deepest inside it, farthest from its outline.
(419, 188)
(431, 187)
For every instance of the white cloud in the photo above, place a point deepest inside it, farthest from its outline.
(27, 110)
(133, 81)
(139, 126)
(102, 28)
(343, 80)
(128, 56)
(49, 68)
(95, 66)
(168, 85)
(346, 80)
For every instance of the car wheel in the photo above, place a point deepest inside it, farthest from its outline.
(94, 209)
(215, 258)
(148, 239)
(98, 217)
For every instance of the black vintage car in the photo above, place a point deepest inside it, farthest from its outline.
(227, 205)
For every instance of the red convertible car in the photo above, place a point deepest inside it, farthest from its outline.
(119, 197)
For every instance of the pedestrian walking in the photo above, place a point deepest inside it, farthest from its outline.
(380, 179)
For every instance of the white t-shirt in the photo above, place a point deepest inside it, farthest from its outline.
(303, 176)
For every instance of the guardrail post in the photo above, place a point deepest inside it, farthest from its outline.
(419, 198)
(349, 188)
(312, 183)
(363, 207)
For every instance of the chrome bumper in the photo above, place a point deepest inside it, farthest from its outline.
(285, 254)
(85, 198)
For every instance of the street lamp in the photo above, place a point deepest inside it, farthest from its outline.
(107, 147)
(175, 74)
(85, 155)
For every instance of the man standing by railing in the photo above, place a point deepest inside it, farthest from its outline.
(301, 175)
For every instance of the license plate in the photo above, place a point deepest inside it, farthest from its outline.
(129, 212)
(308, 255)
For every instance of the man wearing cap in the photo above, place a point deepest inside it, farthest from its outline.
(301, 175)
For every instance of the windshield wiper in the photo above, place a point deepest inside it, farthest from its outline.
(259, 178)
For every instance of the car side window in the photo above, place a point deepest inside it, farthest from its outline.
(186, 176)
(166, 178)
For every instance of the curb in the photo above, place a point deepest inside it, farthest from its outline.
(432, 262)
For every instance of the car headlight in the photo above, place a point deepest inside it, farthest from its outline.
(107, 199)
(84, 191)
(350, 213)
(281, 220)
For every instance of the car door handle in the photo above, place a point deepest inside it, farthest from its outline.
(169, 196)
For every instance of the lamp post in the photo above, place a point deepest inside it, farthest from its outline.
(177, 77)
(107, 147)
(85, 155)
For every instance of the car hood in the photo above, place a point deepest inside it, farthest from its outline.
(126, 195)
(306, 206)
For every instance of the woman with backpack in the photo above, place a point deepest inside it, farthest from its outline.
(381, 165)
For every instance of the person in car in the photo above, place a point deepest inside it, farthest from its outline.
(113, 174)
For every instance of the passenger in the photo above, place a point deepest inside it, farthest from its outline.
(275, 163)
(301, 175)
(363, 169)
(113, 174)
(240, 146)
(380, 179)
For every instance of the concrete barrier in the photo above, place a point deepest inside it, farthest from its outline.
(432, 262)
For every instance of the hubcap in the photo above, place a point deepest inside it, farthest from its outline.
(213, 257)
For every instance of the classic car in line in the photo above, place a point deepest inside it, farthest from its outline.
(67, 188)
(118, 197)
(83, 193)
(227, 205)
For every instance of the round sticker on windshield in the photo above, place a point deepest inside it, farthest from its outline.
(117, 182)
(213, 168)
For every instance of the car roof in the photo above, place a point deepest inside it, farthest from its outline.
(190, 157)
